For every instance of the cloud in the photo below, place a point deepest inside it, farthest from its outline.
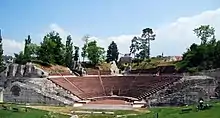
(11, 46)
(57, 28)
(173, 38)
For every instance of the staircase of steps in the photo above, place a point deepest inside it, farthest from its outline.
(174, 85)
(155, 90)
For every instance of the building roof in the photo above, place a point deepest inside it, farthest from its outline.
(125, 59)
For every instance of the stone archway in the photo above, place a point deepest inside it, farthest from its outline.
(15, 90)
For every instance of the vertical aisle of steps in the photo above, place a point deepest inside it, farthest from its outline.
(155, 90)
(72, 84)
(101, 82)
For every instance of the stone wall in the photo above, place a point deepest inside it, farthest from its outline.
(24, 93)
(18, 71)
(32, 85)
(186, 91)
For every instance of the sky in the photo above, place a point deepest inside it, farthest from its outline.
(108, 20)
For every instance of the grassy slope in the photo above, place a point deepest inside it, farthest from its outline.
(152, 64)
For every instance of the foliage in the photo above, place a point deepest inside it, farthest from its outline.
(69, 52)
(204, 56)
(27, 53)
(51, 49)
(76, 53)
(112, 52)
(95, 53)
(20, 58)
(1, 54)
(84, 48)
(142, 44)
(204, 32)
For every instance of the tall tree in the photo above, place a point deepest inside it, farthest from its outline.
(203, 56)
(142, 44)
(69, 52)
(95, 53)
(76, 54)
(1, 54)
(134, 46)
(204, 32)
(147, 36)
(112, 52)
(27, 50)
(84, 48)
(51, 49)
(59, 49)
(20, 58)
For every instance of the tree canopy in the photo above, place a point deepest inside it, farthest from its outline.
(202, 56)
(140, 46)
(52, 51)
(95, 53)
(1, 54)
(112, 52)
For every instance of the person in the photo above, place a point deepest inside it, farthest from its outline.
(200, 107)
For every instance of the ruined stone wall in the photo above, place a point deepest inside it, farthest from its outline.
(33, 86)
(17, 71)
(25, 95)
(186, 91)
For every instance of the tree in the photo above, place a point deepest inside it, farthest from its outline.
(20, 58)
(76, 54)
(112, 52)
(204, 32)
(51, 49)
(204, 56)
(59, 49)
(1, 54)
(84, 48)
(69, 52)
(94, 52)
(142, 44)
(45, 52)
(147, 36)
(134, 46)
(27, 52)
(31, 50)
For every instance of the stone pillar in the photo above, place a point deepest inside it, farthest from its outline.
(18, 72)
(27, 70)
(10, 70)
(1, 95)
(15, 66)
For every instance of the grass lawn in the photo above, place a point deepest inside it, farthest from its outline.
(163, 112)
(175, 112)
(167, 112)
(31, 113)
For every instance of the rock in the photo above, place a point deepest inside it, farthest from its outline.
(74, 116)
